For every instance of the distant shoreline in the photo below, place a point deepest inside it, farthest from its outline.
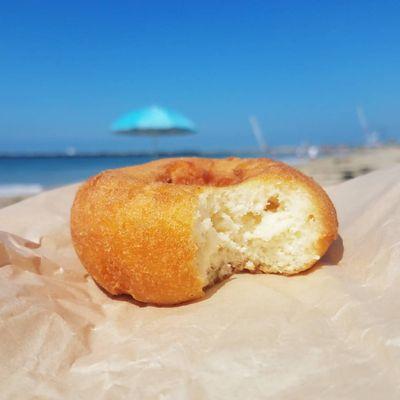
(272, 151)
(327, 170)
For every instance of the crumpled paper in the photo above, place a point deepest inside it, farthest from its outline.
(331, 333)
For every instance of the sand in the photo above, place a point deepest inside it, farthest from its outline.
(7, 201)
(328, 170)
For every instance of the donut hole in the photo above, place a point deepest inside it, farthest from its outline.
(184, 172)
(254, 227)
(190, 172)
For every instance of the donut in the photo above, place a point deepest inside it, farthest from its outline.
(166, 231)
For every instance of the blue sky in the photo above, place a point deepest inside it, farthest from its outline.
(69, 69)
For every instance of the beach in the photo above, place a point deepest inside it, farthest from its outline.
(7, 201)
(326, 171)
(335, 169)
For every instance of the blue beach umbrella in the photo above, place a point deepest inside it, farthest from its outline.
(153, 121)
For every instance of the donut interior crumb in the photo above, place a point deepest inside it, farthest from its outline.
(255, 227)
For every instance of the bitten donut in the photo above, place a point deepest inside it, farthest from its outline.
(165, 231)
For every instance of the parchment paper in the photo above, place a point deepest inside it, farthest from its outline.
(332, 333)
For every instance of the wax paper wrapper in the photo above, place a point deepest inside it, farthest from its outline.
(330, 333)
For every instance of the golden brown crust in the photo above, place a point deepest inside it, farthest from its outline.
(132, 227)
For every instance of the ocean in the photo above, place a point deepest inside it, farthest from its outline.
(29, 175)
